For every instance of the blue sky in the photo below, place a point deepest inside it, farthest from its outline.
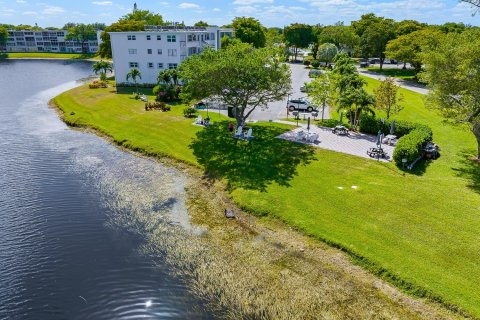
(270, 12)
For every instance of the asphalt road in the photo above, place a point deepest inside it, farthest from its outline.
(278, 109)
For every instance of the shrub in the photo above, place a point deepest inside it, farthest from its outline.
(189, 112)
(156, 105)
(315, 64)
(306, 62)
(410, 146)
(98, 84)
(332, 123)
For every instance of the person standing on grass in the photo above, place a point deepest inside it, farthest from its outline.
(230, 126)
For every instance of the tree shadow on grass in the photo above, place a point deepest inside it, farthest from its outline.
(250, 165)
(469, 168)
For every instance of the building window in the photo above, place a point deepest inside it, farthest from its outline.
(172, 52)
(132, 51)
(148, 37)
(160, 66)
(133, 64)
(159, 51)
(149, 51)
(131, 37)
(171, 38)
(159, 37)
(150, 64)
(172, 66)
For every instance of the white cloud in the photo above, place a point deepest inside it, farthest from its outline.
(250, 2)
(216, 10)
(30, 13)
(188, 5)
(21, 1)
(103, 3)
(246, 10)
(51, 10)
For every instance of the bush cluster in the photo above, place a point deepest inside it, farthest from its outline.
(157, 105)
(189, 112)
(315, 63)
(133, 85)
(307, 62)
(413, 136)
(166, 93)
(410, 146)
(98, 84)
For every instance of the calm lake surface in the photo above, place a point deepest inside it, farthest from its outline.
(66, 249)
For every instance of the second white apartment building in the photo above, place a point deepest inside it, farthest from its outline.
(160, 47)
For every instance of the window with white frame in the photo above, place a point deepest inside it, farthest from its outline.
(150, 64)
(149, 51)
(160, 65)
(172, 52)
(148, 37)
(159, 37)
(159, 51)
(131, 37)
(133, 64)
(132, 51)
(171, 38)
(172, 66)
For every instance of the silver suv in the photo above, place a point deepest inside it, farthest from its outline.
(300, 104)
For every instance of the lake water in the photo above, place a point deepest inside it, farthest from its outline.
(67, 247)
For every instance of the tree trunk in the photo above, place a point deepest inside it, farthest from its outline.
(404, 66)
(476, 131)
(381, 63)
(296, 52)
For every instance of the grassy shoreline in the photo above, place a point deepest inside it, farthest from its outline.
(158, 144)
(47, 56)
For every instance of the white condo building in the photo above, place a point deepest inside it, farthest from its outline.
(160, 47)
(47, 41)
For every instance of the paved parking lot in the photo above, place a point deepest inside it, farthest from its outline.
(355, 144)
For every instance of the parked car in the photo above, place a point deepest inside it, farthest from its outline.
(314, 73)
(300, 104)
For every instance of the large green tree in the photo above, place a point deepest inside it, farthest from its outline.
(387, 98)
(374, 33)
(452, 70)
(105, 48)
(148, 17)
(342, 36)
(82, 33)
(240, 76)
(408, 26)
(298, 35)
(319, 91)
(326, 52)
(3, 36)
(135, 21)
(135, 75)
(408, 48)
(201, 23)
(249, 30)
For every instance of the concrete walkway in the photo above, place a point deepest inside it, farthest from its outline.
(409, 85)
(354, 143)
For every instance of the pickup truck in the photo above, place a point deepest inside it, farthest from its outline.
(300, 104)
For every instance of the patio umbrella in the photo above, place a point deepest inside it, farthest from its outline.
(341, 118)
(392, 127)
(379, 138)
(308, 124)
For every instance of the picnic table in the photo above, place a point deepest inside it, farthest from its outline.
(376, 153)
(390, 139)
(340, 130)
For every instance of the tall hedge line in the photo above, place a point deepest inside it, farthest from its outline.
(412, 136)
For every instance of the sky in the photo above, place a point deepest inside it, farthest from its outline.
(271, 13)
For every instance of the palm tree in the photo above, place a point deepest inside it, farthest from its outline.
(102, 67)
(174, 74)
(134, 74)
(164, 76)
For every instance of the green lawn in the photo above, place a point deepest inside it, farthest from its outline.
(406, 74)
(421, 231)
(46, 55)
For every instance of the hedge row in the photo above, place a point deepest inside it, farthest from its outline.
(410, 146)
(370, 124)
(412, 136)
